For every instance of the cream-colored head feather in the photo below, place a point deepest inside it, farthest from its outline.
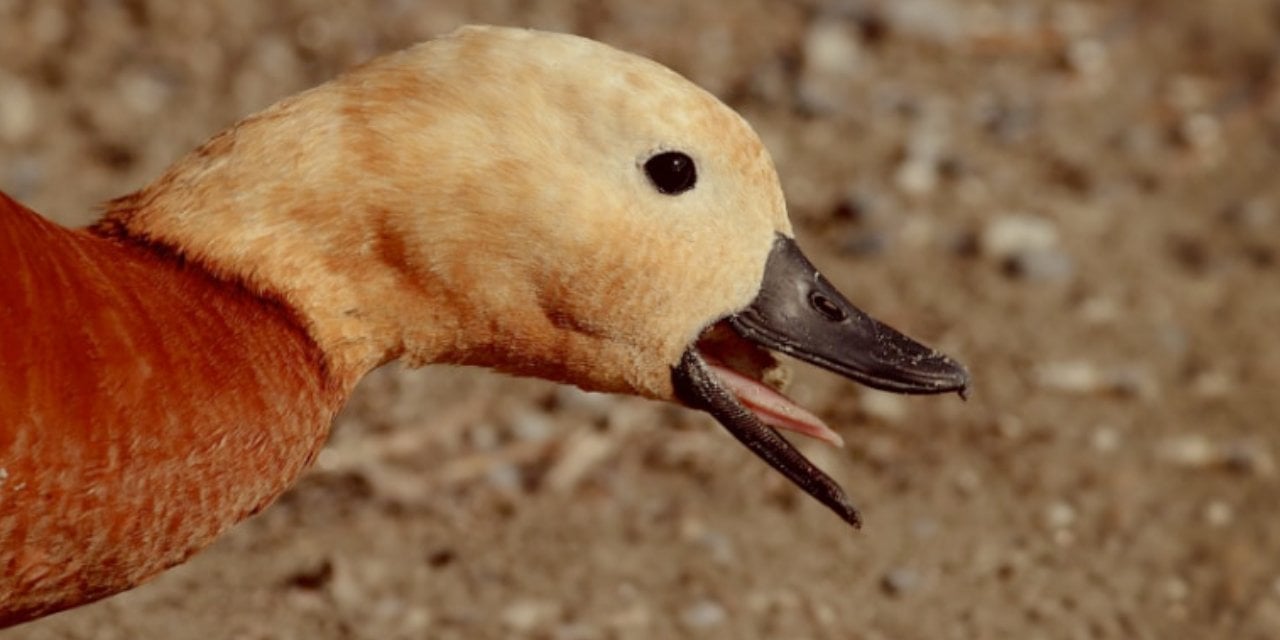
(481, 199)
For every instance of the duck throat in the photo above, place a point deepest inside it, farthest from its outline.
(145, 407)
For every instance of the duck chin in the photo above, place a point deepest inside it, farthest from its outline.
(716, 388)
(758, 380)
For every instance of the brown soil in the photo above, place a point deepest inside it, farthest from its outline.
(1080, 200)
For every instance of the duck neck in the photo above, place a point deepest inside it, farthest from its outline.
(146, 401)
(287, 203)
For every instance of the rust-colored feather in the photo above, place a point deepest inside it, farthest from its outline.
(145, 407)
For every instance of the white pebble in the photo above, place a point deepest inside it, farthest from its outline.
(831, 58)
(1089, 58)
(1059, 515)
(1043, 266)
(1073, 377)
(528, 615)
(482, 436)
(1082, 377)
(831, 47)
(917, 175)
(1176, 589)
(1191, 451)
(1014, 234)
(588, 402)
(884, 406)
(506, 477)
(19, 114)
(531, 425)
(900, 580)
(1218, 513)
(703, 615)
(144, 93)
(1105, 440)
(1202, 130)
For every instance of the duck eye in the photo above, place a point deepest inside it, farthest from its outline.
(671, 172)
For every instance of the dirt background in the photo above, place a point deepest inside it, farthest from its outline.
(1078, 199)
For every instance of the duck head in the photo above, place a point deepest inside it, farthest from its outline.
(543, 205)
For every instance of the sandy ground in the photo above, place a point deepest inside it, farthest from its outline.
(1078, 199)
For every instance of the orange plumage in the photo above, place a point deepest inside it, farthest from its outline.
(114, 463)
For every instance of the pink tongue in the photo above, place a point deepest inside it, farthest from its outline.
(773, 408)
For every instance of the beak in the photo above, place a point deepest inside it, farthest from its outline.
(799, 313)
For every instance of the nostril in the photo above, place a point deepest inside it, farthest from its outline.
(827, 307)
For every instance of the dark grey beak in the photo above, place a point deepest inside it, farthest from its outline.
(799, 313)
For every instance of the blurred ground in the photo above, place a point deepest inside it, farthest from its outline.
(1078, 199)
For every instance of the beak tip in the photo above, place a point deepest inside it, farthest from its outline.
(963, 380)
(851, 515)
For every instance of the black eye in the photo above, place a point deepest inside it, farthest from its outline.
(671, 172)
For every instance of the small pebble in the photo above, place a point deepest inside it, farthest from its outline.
(1015, 234)
(1218, 513)
(943, 23)
(1202, 132)
(824, 614)
(581, 454)
(1198, 452)
(1010, 427)
(1192, 451)
(525, 616)
(1072, 377)
(144, 93)
(1105, 440)
(703, 615)
(1100, 310)
(967, 481)
(506, 477)
(1083, 378)
(531, 425)
(1059, 515)
(831, 57)
(831, 47)
(1088, 58)
(588, 402)
(917, 175)
(1176, 589)
(886, 407)
(19, 113)
(1041, 266)
(483, 437)
(1254, 214)
(899, 581)
(1250, 458)
(718, 546)
(1026, 247)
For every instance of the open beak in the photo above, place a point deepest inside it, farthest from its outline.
(799, 313)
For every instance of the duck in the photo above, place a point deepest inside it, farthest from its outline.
(533, 203)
